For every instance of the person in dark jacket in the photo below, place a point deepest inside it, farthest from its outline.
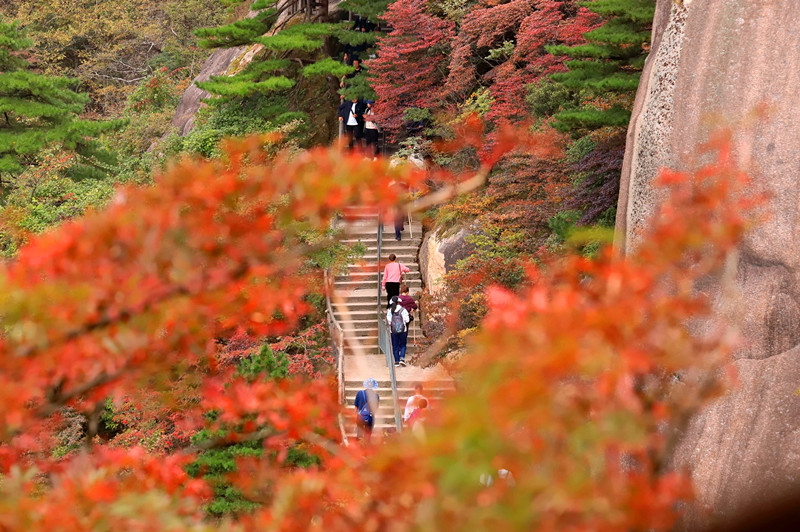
(344, 108)
(341, 112)
(406, 301)
(357, 67)
(358, 70)
(354, 123)
(399, 223)
(367, 403)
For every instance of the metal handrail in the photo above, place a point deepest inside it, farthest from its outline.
(385, 343)
(337, 336)
(380, 254)
(384, 338)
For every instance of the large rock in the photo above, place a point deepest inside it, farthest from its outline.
(192, 98)
(221, 61)
(719, 60)
(439, 255)
(743, 451)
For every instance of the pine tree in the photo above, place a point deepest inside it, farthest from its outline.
(40, 111)
(291, 55)
(607, 68)
(297, 52)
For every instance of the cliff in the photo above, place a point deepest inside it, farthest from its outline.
(718, 61)
(221, 61)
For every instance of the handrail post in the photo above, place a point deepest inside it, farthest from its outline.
(385, 341)
(337, 337)
(380, 252)
(384, 335)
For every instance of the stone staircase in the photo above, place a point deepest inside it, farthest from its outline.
(355, 304)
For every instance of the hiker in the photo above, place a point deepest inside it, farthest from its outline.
(371, 128)
(502, 474)
(357, 67)
(417, 419)
(355, 122)
(367, 402)
(397, 318)
(392, 275)
(413, 402)
(342, 113)
(407, 301)
(358, 70)
(399, 223)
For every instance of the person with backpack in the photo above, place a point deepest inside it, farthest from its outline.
(392, 275)
(398, 319)
(366, 403)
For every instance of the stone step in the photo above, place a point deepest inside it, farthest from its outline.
(372, 276)
(341, 300)
(370, 330)
(365, 221)
(359, 320)
(433, 384)
(372, 340)
(371, 314)
(375, 350)
(371, 232)
(434, 394)
(360, 295)
(353, 217)
(392, 247)
(365, 284)
(364, 324)
(408, 254)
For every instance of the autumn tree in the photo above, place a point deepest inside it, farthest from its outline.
(411, 62)
(112, 45)
(502, 48)
(42, 111)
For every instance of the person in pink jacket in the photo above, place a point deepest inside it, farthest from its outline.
(392, 275)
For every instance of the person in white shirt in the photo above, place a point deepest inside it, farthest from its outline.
(397, 317)
(414, 402)
(354, 124)
(371, 129)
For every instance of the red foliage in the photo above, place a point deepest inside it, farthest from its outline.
(411, 61)
(413, 68)
(569, 385)
(530, 25)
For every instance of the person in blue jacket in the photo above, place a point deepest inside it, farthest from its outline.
(366, 403)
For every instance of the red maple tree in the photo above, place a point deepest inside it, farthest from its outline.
(427, 63)
(528, 25)
(410, 66)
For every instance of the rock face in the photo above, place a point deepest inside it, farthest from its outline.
(437, 256)
(718, 61)
(221, 61)
(217, 64)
